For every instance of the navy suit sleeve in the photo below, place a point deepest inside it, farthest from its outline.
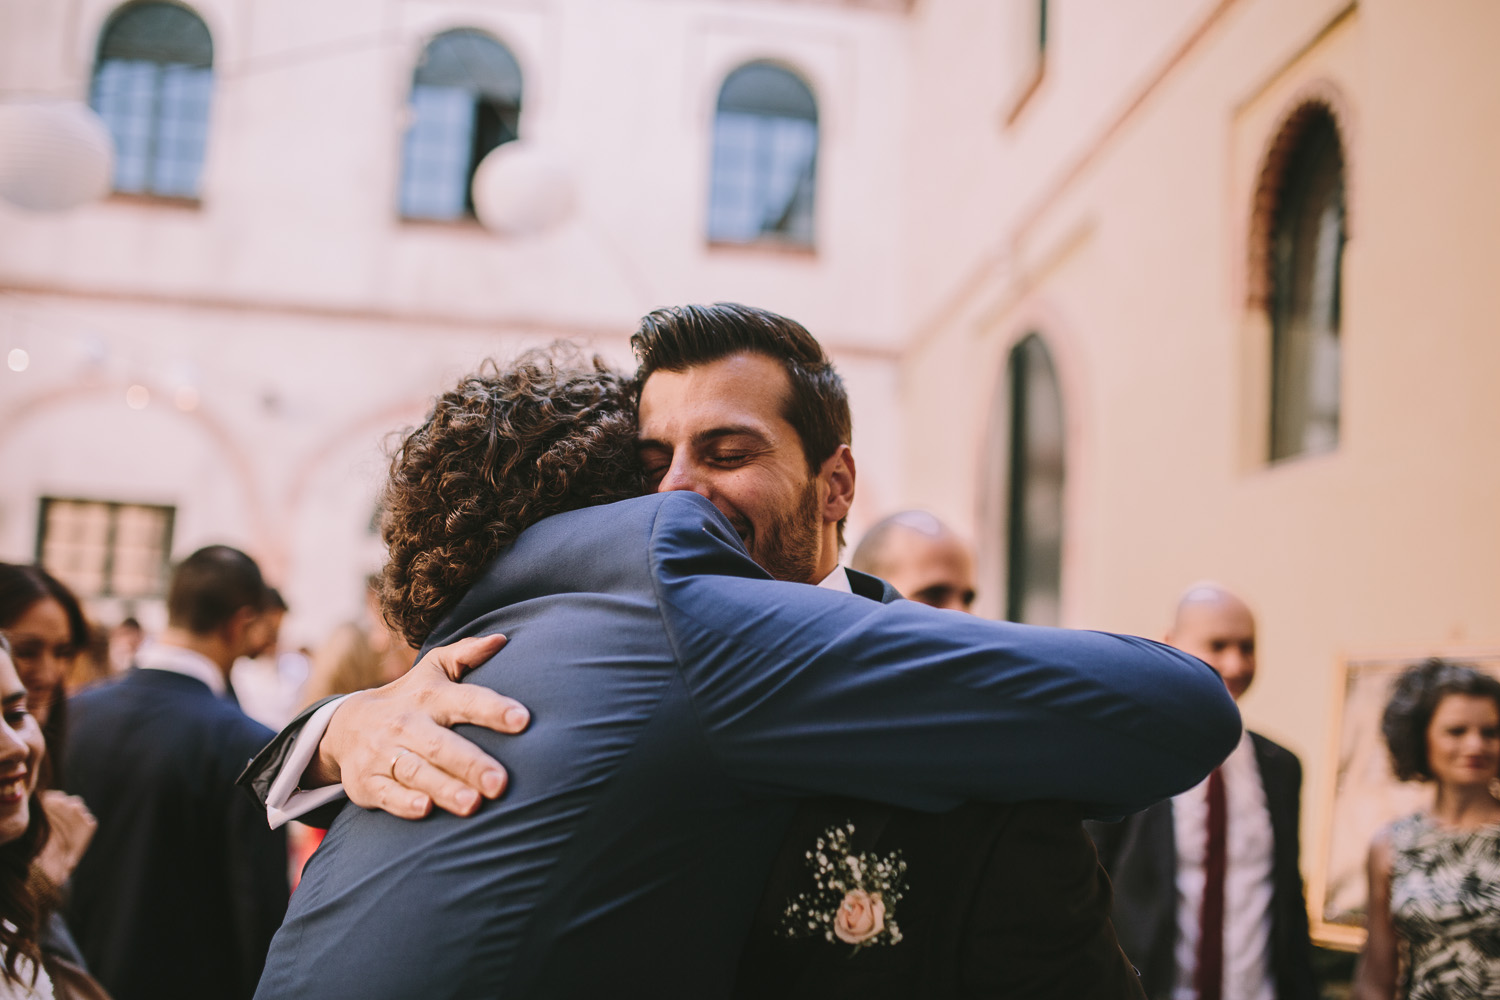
(807, 691)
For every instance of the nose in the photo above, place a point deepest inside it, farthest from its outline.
(13, 749)
(50, 670)
(682, 474)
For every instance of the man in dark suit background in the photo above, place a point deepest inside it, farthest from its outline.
(183, 886)
(742, 407)
(1174, 885)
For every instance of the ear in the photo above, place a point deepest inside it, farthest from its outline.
(837, 477)
(237, 629)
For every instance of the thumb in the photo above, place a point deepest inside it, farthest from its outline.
(458, 658)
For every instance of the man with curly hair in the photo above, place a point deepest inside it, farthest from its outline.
(679, 712)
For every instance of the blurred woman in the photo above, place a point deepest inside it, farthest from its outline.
(1434, 915)
(26, 973)
(46, 629)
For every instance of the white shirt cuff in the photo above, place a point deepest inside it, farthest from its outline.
(286, 801)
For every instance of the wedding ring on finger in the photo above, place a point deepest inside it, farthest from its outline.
(399, 754)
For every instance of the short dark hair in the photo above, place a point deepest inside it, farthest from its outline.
(501, 450)
(682, 337)
(211, 586)
(1415, 698)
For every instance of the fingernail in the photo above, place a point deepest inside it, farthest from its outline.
(468, 799)
(419, 802)
(490, 781)
(516, 718)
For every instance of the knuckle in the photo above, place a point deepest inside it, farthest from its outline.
(430, 746)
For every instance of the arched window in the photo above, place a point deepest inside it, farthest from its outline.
(1305, 261)
(765, 158)
(1034, 487)
(465, 101)
(153, 83)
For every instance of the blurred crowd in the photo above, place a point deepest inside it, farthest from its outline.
(132, 859)
(138, 855)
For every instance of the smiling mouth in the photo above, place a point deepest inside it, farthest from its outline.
(13, 787)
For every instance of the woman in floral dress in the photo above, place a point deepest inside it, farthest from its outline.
(1434, 922)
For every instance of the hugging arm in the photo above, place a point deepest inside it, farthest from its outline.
(824, 693)
(390, 748)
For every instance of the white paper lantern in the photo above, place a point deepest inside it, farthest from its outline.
(522, 191)
(54, 155)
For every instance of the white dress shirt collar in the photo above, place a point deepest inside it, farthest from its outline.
(837, 580)
(175, 659)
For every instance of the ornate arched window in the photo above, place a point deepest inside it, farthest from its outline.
(765, 158)
(1305, 261)
(153, 85)
(1034, 486)
(465, 101)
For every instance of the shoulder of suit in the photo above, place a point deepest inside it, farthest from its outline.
(873, 587)
(1269, 753)
(1266, 745)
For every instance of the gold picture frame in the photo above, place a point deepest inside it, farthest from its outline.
(1361, 794)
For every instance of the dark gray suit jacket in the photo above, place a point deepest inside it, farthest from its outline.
(1140, 855)
(681, 701)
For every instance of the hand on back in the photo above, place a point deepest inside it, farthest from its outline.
(393, 749)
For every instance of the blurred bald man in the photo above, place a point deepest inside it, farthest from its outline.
(918, 555)
(1208, 893)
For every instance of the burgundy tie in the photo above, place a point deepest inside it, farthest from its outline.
(1210, 974)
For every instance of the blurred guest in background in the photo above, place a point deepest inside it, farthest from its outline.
(918, 555)
(358, 655)
(124, 640)
(1435, 875)
(91, 665)
(184, 885)
(28, 971)
(268, 681)
(346, 662)
(46, 628)
(1208, 893)
(47, 632)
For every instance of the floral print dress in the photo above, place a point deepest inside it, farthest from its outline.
(1445, 903)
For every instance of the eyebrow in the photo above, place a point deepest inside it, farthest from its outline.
(712, 435)
(13, 699)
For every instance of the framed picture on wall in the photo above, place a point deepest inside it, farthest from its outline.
(1362, 794)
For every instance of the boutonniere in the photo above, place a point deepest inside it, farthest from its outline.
(855, 895)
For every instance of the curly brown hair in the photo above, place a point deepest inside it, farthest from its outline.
(503, 449)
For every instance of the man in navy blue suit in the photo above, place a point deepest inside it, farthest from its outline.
(725, 427)
(183, 885)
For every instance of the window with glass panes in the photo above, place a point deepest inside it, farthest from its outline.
(1034, 494)
(765, 155)
(1306, 265)
(153, 86)
(465, 101)
(101, 548)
